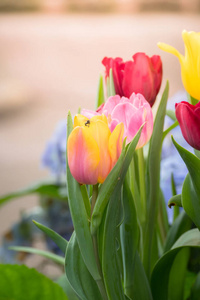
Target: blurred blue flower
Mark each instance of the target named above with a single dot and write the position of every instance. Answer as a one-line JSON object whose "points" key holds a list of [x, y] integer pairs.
{"points": [[54, 153]]}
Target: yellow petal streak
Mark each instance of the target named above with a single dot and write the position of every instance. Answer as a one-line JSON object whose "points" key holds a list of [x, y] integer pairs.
{"points": [[83, 155], [100, 131]]}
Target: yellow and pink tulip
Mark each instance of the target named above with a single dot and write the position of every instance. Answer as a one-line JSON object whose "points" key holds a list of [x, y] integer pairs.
{"points": [[92, 149]]}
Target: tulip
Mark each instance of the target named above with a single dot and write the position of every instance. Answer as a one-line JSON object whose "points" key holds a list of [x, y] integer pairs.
{"points": [[142, 75], [92, 149], [188, 116], [190, 63], [133, 112]]}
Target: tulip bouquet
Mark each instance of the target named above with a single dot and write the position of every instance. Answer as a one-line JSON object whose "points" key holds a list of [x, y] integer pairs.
{"points": [[123, 246]]}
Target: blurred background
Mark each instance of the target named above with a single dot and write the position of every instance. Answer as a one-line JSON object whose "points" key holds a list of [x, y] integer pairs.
{"points": [[50, 62]]}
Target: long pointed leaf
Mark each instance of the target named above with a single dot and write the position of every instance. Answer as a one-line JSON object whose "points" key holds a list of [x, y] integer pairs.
{"points": [[56, 258], [58, 239], [129, 234], [192, 163], [48, 188], [78, 274], [110, 266], [153, 179], [161, 271], [100, 95], [190, 200]]}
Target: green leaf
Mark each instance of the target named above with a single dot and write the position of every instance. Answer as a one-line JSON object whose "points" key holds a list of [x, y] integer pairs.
{"points": [[178, 275], [64, 283], [114, 177], [100, 95], [77, 273], [162, 221], [21, 283], [176, 209], [189, 238], [169, 129], [112, 273], [196, 288], [86, 200], [153, 179], [47, 188], [170, 113], [129, 234], [192, 163], [80, 217], [58, 239], [141, 287], [175, 201], [161, 271], [56, 258], [190, 200], [197, 153], [182, 224]]}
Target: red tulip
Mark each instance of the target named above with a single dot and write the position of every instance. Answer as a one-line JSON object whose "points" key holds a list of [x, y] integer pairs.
{"points": [[188, 116], [142, 75]]}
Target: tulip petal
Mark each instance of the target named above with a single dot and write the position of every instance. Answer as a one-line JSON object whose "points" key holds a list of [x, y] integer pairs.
{"points": [[115, 143], [110, 104], [100, 131], [171, 50], [80, 120], [83, 155]]}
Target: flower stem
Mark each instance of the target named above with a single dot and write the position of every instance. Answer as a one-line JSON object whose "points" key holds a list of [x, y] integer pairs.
{"points": [[142, 184], [100, 282]]}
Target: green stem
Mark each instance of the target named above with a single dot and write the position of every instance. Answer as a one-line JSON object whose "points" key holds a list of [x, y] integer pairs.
{"points": [[100, 282], [141, 164], [192, 100]]}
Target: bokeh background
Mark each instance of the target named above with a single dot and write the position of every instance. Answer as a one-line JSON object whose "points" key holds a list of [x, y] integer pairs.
{"points": [[50, 62]]}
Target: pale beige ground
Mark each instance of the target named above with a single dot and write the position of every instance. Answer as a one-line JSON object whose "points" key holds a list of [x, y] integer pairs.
{"points": [[49, 64]]}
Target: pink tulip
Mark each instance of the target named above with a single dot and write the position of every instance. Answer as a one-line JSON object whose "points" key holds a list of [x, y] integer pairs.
{"points": [[188, 116], [141, 75], [132, 112]]}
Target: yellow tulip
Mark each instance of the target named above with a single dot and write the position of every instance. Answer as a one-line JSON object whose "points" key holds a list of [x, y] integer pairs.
{"points": [[190, 63], [92, 149]]}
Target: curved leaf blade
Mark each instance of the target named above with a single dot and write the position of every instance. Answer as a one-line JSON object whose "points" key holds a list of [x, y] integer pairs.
{"points": [[190, 200], [27, 284], [58, 239], [56, 258], [192, 163], [161, 271], [47, 188], [77, 273], [129, 236]]}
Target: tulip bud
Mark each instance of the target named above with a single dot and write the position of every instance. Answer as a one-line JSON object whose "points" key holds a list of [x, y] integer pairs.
{"points": [[92, 149], [188, 116]]}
